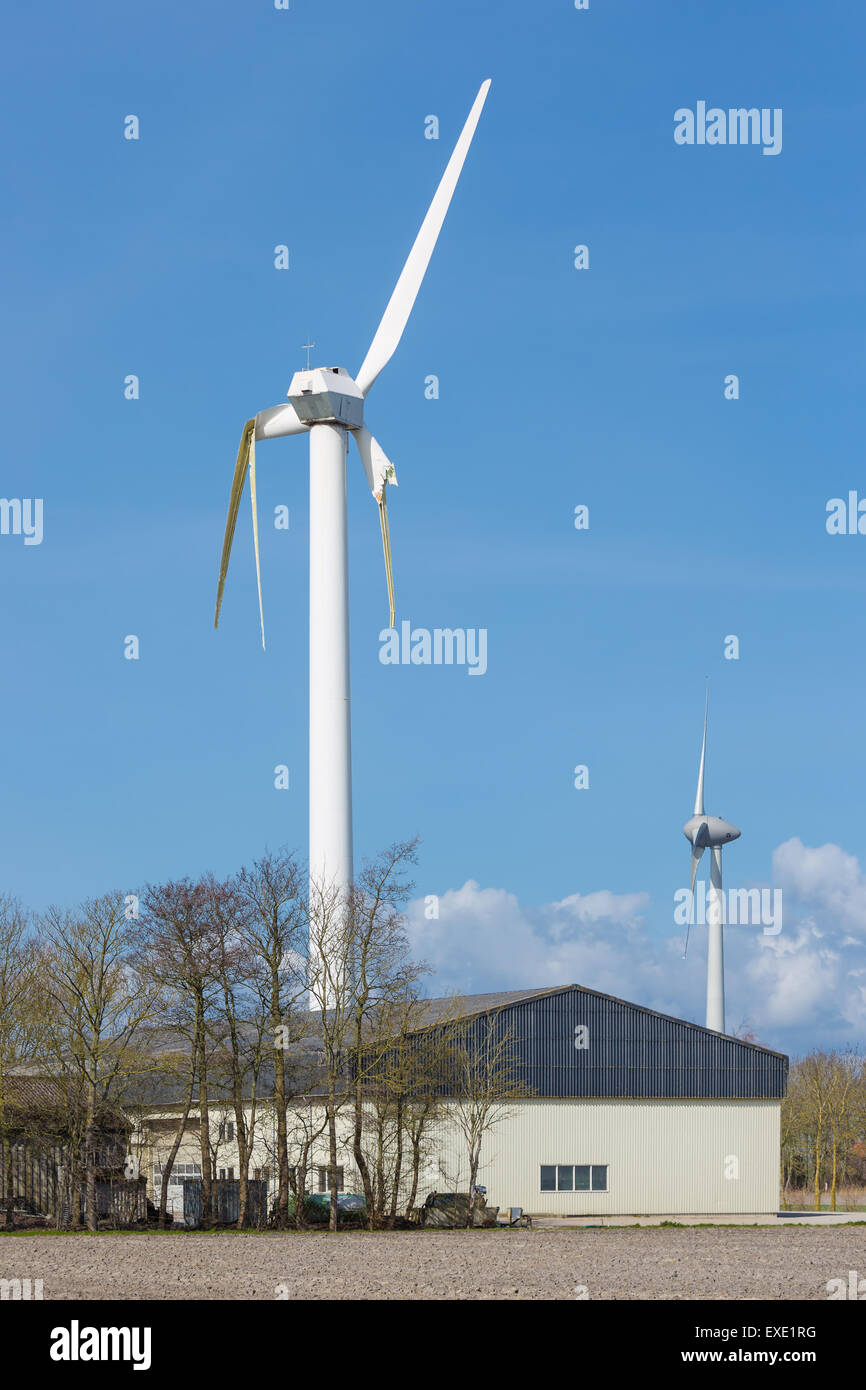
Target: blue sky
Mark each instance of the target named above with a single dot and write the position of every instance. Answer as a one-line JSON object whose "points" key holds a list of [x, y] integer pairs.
{"points": [[557, 387]]}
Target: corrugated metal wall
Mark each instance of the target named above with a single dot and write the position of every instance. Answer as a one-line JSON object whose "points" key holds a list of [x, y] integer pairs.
{"points": [[664, 1156], [34, 1177], [227, 1200], [629, 1052]]}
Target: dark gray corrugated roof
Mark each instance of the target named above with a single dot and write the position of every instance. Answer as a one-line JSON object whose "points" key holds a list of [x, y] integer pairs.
{"points": [[469, 1004], [436, 1010], [575, 1043], [635, 1052]]}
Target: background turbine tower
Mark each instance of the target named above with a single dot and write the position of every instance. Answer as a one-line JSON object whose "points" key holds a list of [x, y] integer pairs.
{"points": [[703, 832], [328, 404]]}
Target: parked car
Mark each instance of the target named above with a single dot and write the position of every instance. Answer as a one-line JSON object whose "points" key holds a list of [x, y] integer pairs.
{"points": [[351, 1208], [451, 1210]]}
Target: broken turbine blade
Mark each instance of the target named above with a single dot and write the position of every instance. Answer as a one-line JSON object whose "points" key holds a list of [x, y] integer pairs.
{"points": [[386, 546], [256, 531], [377, 466], [234, 504]]}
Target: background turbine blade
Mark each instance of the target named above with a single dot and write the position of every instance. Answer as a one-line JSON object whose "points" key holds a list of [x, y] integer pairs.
{"points": [[699, 797], [234, 504], [396, 315], [256, 530], [697, 851]]}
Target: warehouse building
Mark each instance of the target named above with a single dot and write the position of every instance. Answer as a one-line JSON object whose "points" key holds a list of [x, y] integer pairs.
{"points": [[628, 1111], [619, 1111]]}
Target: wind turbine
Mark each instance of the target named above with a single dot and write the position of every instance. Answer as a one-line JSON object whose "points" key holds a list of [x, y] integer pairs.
{"points": [[328, 404], [710, 832]]}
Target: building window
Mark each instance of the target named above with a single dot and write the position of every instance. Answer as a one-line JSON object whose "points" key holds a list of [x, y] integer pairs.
{"points": [[226, 1131], [325, 1180], [179, 1171], [574, 1177]]}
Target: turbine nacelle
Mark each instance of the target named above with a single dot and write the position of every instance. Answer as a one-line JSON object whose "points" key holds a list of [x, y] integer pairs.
{"points": [[709, 832], [327, 395]]}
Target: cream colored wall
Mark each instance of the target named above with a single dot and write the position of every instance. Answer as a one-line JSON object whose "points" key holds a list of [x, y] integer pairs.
{"points": [[662, 1156]]}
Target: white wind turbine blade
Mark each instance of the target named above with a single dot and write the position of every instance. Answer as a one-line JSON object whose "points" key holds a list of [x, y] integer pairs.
{"points": [[699, 797], [396, 315], [697, 852], [277, 421]]}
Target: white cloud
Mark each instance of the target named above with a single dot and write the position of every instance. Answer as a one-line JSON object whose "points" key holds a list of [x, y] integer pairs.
{"points": [[802, 988], [484, 939], [826, 877]]}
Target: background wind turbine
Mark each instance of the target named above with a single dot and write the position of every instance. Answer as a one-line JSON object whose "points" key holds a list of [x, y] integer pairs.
{"points": [[328, 404], [710, 832]]}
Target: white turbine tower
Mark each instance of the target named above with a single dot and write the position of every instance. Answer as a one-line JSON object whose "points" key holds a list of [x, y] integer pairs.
{"points": [[328, 404], [710, 832]]}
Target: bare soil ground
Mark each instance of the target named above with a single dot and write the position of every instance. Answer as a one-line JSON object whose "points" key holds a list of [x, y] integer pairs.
{"points": [[653, 1263]]}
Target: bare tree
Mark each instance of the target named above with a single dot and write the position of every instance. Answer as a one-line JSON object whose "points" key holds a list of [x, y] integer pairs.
{"points": [[484, 1082], [330, 982], [823, 1116], [308, 1121], [383, 1012], [791, 1134], [20, 1022], [365, 986], [816, 1072], [100, 1004], [403, 1075], [275, 930], [177, 1070], [183, 950], [426, 1103], [244, 1014], [845, 1112]]}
